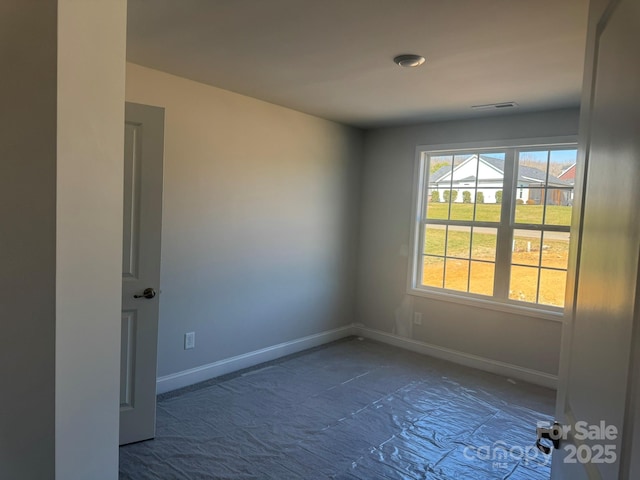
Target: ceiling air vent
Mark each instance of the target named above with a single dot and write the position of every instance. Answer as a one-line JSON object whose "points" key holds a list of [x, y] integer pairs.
{"points": [[495, 106]]}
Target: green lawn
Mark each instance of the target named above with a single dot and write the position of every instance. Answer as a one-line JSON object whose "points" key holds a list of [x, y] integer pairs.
{"points": [[460, 243], [532, 260], [490, 212], [531, 276], [481, 245]]}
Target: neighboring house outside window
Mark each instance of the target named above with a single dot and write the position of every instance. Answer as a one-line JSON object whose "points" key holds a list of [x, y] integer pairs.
{"points": [[493, 223], [490, 173], [569, 176]]}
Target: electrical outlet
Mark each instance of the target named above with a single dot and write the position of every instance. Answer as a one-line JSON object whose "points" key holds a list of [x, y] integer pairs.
{"points": [[417, 318], [189, 340]]}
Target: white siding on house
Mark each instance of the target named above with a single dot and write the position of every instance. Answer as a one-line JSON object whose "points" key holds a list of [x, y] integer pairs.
{"points": [[467, 177]]}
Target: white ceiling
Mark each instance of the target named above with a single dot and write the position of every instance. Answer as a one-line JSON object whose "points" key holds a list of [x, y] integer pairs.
{"points": [[333, 58]]}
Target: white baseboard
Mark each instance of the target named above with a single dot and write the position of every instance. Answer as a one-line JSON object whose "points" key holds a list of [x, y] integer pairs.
{"points": [[469, 360], [192, 376]]}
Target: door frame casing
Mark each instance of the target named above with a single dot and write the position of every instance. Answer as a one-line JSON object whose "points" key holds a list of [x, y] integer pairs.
{"points": [[600, 13]]}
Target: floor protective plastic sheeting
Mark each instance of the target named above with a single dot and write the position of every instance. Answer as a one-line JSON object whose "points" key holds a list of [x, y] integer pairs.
{"points": [[355, 409]]}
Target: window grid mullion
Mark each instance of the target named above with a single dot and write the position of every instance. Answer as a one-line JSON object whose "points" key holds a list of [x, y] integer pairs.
{"points": [[540, 262], [475, 193], [538, 227], [545, 198], [421, 215], [470, 250], [505, 230], [420, 259]]}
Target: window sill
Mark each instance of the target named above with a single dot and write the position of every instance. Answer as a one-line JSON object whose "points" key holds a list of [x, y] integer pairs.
{"points": [[555, 315]]}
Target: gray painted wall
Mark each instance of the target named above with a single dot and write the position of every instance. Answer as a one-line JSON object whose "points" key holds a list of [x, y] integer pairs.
{"points": [[91, 74], [240, 279], [27, 238], [384, 238], [61, 150], [259, 221]]}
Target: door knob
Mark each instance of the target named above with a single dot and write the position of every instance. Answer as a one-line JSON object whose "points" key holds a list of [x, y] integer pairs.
{"points": [[553, 434], [147, 293]]}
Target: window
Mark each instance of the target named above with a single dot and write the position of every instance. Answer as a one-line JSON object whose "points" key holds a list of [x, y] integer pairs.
{"points": [[493, 223]]}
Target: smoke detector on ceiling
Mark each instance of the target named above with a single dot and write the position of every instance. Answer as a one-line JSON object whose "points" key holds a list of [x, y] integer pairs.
{"points": [[409, 60], [495, 106]]}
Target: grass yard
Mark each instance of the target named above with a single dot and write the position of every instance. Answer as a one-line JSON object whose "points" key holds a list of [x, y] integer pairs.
{"points": [[490, 212], [475, 268]]}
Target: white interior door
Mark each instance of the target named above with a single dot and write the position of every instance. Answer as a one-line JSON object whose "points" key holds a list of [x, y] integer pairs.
{"points": [[596, 379], [143, 161]]}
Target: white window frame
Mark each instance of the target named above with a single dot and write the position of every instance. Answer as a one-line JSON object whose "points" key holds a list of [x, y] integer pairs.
{"points": [[420, 184]]}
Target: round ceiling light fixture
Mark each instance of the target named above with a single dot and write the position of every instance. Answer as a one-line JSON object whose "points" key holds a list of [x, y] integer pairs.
{"points": [[409, 60]]}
